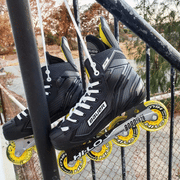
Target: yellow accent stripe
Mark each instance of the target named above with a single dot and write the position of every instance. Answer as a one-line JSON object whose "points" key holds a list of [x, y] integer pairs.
{"points": [[103, 37], [62, 49], [87, 73]]}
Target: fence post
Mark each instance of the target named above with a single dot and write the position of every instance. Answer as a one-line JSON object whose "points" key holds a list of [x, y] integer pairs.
{"points": [[81, 58], [148, 98], [171, 124], [123, 162], [20, 16], [1, 121], [3, 106]]}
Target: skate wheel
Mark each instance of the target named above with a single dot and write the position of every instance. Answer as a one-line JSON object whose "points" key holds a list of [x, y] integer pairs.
{"points": [[129, 137], [24, 158], [100, 153], [73, 167], [163, 115]]}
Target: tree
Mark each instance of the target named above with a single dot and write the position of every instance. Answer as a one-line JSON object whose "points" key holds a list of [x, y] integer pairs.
{"points": [[63, 25], [47, 7], [90, 19], [6, 37], [56, 22], [164, 17]]}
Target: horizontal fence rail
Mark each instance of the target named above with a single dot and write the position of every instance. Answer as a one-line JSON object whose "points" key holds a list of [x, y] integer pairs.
{"points": [[129, 17]]}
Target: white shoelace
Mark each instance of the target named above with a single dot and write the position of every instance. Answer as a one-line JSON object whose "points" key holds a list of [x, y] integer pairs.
{"points": [[43, 41], [82, 103], [92, 63], [47, 87], [44, 48], [24, 113]]}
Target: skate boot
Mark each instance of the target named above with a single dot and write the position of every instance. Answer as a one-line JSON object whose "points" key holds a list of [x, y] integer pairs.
{"points": [[62, 93], [115, 89]]}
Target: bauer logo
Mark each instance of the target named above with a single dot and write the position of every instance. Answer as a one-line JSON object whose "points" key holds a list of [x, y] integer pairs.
{"points": [[97, 113]]}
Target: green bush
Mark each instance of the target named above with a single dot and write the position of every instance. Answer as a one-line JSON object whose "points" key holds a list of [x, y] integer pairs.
{"points": [[51, 39]]}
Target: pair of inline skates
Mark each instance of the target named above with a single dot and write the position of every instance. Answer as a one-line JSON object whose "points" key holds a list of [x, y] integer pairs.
{"points": [[90, 120]]}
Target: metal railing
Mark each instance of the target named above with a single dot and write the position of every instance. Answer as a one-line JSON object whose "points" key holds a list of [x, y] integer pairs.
{"points": [[123, 12], [110, 168]]}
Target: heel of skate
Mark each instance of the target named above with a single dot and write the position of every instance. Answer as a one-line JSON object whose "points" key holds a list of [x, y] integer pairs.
{"points": [[19, 151], [157, 121]]}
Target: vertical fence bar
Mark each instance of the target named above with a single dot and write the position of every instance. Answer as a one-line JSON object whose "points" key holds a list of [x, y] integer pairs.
{"points": [[123, 162], [81, 58], [20, 16], [1, 121], [171, 124], [3, 106], [148, 98], [93, 170], [116, 28]]}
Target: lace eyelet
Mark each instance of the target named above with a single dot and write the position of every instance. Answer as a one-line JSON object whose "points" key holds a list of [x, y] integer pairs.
{"points": [[100, 81], [91, 108], [96, 100], [100, 91], [78, 121], [84, 115]]}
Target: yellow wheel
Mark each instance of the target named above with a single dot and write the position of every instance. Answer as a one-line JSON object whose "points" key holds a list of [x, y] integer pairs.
{"points": [[163, 115], [73, 167], [129, 137], [100, 153], [24, 158]]}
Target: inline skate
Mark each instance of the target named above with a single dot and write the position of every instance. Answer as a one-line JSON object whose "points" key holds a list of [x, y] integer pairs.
{"points": [[96, 119], [62, 92]]}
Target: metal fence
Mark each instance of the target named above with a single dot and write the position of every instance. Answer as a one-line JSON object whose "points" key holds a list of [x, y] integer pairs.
{"points": [[155, 155]]}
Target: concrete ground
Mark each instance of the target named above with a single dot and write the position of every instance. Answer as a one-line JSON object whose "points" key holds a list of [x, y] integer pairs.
{"points": [[6, 167]]}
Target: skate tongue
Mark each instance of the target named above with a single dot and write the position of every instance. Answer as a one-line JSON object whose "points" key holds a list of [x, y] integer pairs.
{"points": [[106, 35], [94, 45], [52, 59], [102, 60], [67, 53]]}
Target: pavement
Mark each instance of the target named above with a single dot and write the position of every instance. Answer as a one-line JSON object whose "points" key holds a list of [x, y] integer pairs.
{"points": [[6, 167], [15, 84]]}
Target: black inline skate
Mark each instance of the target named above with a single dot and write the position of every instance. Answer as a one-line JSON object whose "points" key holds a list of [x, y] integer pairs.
{"points": [[115, 89], [62, 92]]}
